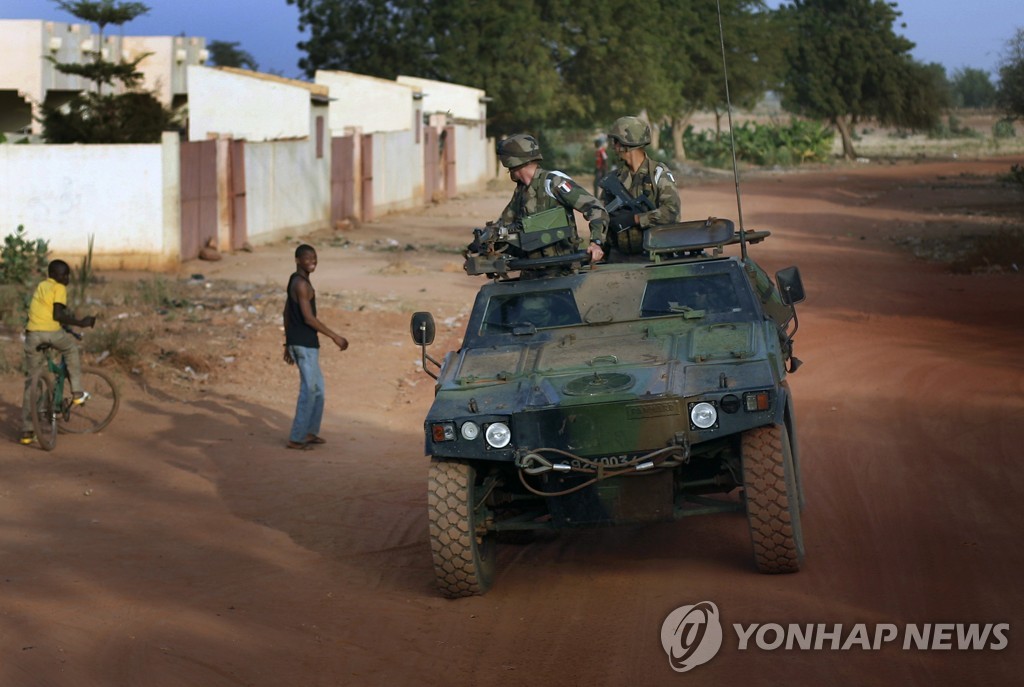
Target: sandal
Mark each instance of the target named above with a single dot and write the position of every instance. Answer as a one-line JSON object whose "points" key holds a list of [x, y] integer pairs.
{"points": [[298, 446], [314, 439]]}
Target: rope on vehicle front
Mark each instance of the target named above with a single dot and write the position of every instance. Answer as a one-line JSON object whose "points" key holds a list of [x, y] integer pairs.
{"points": [[535, 463]]}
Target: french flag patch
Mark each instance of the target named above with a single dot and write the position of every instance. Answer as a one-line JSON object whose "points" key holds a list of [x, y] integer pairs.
{"points": [[565, 187]]}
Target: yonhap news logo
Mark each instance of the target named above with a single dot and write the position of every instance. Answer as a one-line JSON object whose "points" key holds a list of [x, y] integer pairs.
{"points": [[692, 636]]}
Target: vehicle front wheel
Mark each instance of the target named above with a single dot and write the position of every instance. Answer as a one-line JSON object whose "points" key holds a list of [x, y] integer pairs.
{"points": [[462, 549], [773, 503]]}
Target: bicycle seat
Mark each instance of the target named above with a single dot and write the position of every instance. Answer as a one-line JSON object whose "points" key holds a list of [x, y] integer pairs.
{"points": [[44, 347]]}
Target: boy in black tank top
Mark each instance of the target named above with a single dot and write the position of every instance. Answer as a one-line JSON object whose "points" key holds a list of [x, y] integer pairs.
{"points": [[302, 348]]}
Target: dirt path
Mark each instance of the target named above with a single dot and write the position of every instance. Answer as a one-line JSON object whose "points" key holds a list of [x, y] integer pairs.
{"points": [[185, 546]]}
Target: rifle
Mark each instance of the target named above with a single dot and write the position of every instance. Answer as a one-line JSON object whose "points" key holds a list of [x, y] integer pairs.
{"points": [[623, 207]]}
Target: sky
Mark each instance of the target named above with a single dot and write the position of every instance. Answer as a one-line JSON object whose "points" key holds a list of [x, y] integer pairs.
{"points": [[954, 33]]}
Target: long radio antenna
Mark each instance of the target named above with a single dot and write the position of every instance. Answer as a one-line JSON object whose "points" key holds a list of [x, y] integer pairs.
{"points": [[732, 138]]}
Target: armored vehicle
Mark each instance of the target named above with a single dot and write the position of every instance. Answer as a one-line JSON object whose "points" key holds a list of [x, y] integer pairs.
{"points": [[617, 393]]}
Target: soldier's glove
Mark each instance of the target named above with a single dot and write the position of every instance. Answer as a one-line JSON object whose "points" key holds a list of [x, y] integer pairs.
{"points": [[621, 220]]}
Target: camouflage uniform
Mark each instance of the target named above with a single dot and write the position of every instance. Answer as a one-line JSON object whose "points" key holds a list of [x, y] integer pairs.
{"points": [[553, 189], [652, 179]]}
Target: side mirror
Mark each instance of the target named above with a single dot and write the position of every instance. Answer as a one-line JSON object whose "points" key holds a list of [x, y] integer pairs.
{"points": [[791, 288], [423, 328]]}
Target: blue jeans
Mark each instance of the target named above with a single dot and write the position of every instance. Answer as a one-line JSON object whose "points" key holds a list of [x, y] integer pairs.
{"points": [[309, 409]]}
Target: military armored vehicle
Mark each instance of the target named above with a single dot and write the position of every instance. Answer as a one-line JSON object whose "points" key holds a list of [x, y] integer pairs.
{"points": [[617, 393]]}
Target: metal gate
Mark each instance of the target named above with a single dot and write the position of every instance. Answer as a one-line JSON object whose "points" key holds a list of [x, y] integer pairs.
{"points": [[198, 196], [343, 178]]}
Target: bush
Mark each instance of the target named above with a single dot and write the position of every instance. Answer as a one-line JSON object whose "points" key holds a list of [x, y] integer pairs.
{"points": [[952, 128], [22, 261], [773, 144], [1003, 129], [22, 265]]}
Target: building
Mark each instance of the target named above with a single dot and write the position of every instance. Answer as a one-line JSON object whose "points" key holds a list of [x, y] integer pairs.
{"points": [[29, 78]]}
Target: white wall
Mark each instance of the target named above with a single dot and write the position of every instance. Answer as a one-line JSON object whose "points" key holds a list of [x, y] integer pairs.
{"points": [[287, 189], [472, 158], [460, 102], [397, 172], [368, 103], [126, 196], [227, 104]]}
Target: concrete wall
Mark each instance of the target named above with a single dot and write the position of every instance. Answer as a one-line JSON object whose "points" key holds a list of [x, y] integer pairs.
{"points": [[466, 109], [460, 102], [236, 104], [473, 155], [126, 196], [287, 187], [368, 104], [397, 172]]}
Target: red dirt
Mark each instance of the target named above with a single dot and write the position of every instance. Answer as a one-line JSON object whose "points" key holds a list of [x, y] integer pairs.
{"points": [[186, 546]]}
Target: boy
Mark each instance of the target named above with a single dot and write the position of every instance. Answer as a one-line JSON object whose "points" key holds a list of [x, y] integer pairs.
{"points": [[47, 316], [302, 348]]}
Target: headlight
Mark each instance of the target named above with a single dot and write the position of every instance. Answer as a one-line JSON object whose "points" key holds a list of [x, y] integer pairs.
{"points": [[703, 415], [470, 431], [498, 435]]}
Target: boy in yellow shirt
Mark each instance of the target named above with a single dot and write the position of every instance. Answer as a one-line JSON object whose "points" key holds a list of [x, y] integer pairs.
{"points": [[48, 314]]}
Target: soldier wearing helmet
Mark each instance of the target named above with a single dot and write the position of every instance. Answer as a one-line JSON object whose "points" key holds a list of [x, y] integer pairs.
{"points": [[641, 176], [539, 190]]}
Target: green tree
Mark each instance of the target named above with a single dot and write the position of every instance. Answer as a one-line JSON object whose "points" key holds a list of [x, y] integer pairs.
{"points": [[1011, 77], [752, 53], [374, 37], [972, 88], [549, 62], [504, 48], [102, 115], [847, 64], [229, 54]]}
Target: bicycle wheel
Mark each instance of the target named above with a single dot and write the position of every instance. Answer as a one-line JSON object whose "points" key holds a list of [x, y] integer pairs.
{"points": [[94, 414], [44, 415]]}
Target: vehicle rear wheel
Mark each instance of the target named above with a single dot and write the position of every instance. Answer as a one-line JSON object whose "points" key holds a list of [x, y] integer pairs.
{"points": [[772, 500], [463, 550], [97, 412], [44, 415]]}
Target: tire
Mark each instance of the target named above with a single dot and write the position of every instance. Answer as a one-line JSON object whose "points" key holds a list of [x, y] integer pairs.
{"points": [[773, 504], [94, 414], [463, 552], [44, 416]]}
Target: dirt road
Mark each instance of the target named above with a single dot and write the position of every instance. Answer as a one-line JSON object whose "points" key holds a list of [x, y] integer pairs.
{"points": [[186, 546]]}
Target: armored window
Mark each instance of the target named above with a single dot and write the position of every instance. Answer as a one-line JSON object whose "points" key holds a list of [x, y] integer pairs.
{"points": [[707, 295], [543, 309]]}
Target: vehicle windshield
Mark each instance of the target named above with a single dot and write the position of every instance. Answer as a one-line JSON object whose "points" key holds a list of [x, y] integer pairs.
{"points": [[520, 312], [694, 297]]}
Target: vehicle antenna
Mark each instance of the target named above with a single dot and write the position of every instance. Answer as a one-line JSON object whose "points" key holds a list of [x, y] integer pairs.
{"points": [[732, 138]]}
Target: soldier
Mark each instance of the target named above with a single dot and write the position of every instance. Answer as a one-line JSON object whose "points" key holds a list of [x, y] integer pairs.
{"points": [[645, 180], [538, 191]]}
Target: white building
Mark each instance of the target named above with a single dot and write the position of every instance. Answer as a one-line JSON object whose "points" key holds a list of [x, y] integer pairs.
{"points": [[28, 78]]}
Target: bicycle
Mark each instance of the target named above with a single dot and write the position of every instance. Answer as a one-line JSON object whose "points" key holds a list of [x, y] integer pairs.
{"points": [[51, 398]]}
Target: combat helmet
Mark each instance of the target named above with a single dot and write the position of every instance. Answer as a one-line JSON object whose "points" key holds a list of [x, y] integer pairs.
{"points": [[518, 149], [631, 132]]}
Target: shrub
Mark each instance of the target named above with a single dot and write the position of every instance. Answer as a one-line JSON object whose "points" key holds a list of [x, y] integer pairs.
{"points": [[22, 264], [22, 261], [773, 144], [1003, 129]]}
